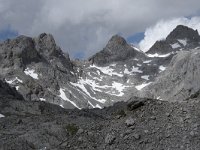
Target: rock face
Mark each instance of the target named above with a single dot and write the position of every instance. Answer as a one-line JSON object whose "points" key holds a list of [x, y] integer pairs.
{"points": [[180, 80], [184, 32], [181, 38], [116, 50], [35, 67]]}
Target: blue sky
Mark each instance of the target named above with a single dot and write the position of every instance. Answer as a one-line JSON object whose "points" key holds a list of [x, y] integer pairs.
{"points": [[7, 33], [135, 38]]}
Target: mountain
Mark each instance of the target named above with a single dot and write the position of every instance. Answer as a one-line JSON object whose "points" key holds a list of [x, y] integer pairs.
{"points": [[38, 81], [180, 80], [41, 71], [116, 50], [181, 38]]}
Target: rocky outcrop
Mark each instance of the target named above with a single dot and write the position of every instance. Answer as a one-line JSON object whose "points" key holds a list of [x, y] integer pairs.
{"points": [[117, 49], [36, 67], [181, 38], [184, 32], [181, 78]]}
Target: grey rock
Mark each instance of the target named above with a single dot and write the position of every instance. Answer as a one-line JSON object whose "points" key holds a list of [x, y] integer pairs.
{"points": [[117, 49], [109, 139], [80, 131], [129, 122], [136, 136]]}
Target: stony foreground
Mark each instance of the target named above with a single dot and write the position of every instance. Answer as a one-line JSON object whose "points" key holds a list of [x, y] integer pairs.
{"points": [[138, 124]]}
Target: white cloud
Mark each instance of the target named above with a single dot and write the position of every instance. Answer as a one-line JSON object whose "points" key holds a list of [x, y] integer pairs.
{"points": [[162, 29], [86, 25]]}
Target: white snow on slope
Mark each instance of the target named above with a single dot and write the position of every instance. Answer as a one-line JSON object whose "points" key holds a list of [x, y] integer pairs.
{"points": [[134, 69], [115, 88], [81, 85], [64, 97], [14, 80], [175, 45], [119, 87], [158, 55], [183, 41], [162, 68], [137, 49], [147, 61], [141, 86], [1, 116], [146, 77], [61, 105], [17, 88], [98, 106], [107, 70], [31, 73], [42, 99]]}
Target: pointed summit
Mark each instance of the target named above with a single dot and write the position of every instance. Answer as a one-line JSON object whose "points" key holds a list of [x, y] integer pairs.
{"points": [[181, 38], [183, 32], [116, 40], [116, 49]]}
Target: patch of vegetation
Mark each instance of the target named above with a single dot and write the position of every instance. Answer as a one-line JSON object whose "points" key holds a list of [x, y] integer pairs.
{"points": [[72, 129]]}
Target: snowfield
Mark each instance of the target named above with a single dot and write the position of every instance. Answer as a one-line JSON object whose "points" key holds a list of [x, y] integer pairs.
{"points": [[31, 73]]}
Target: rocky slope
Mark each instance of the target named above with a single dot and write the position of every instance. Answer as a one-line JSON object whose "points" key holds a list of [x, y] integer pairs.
{"points": [[180, 80], [137, 124], [40, 71]]}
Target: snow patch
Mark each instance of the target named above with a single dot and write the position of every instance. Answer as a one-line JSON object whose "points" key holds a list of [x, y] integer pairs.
{"points": [[1, 116], [64, 97], [137, 49], [134, 69], [146, 77], [42, 99], [107, 70], [61, 105], [119, 87], [14, 81], [81, 84], [98, 106], [31, 73], [147, 61], [72, 72], [159, 98], [141, 86], [17, 88], [175, 45], [183, 41], [158, 55], [162, 68]]}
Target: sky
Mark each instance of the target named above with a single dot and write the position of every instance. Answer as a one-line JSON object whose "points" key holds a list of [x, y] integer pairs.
{"points": [[83, 27]]}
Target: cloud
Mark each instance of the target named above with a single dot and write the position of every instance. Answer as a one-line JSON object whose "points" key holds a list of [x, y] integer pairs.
{"points": [[162, 29], [84, 26]]}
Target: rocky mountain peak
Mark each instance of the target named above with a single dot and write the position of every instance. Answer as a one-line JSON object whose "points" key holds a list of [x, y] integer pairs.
{"points": [[117, 49], [183, 32], [116, 40], [18, 52], [46, 45], [182, 37]]}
